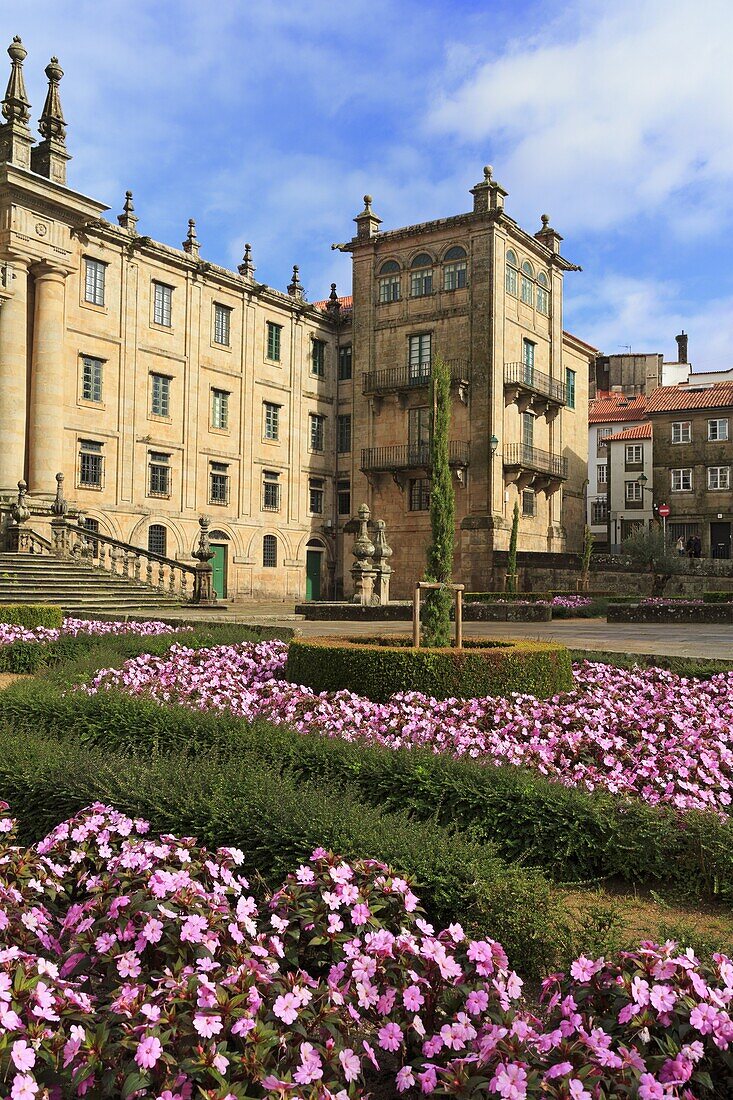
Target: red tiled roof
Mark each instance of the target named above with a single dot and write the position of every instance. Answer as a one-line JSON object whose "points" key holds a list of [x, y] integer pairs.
{"points": [[679, 398], [639, 431], [616, 408], [347, 302]]}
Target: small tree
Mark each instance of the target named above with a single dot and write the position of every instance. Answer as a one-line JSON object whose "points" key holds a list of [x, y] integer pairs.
{"points": [[436, 616], [649, 550], [585, 560], [511, 575]]}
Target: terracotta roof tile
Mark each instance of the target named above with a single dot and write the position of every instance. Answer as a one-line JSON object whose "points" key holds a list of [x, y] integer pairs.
{"points": [[639, 431], [346, 302], [616, 408], [679, 398]]}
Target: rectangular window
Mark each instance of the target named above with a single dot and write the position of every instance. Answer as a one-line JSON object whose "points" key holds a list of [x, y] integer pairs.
{"points": [[91, 464], [272, 420], [527, 291], [315, 496], [159, 474], [420, 351], [222, 325], [418, 434], [599, 512], [318, 358], [717, 429], [528, 348], [162, 298], [570, 387], [602, 435], [218, 483], [421, 282], [419, 499], [343, 497], [543, 300], [220, 409], [528, 429], [454, 275], [345, 363], [91, 378], [528, 502], [316, 432], [160, 395], [94, 276], [719, 476], [634, 454], [343, 434], [271, 491], [602, 473], [682, 481], [682, 431], [511, 280], [389, 289], [634, 492], [274, 332]]}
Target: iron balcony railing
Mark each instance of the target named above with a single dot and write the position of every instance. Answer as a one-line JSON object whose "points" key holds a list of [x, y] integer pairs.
{"points": [[532, 458], [411, 376], [529, 378], [410, 456]]}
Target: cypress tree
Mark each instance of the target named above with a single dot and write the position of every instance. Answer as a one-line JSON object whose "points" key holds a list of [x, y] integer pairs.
{"points": [[436, 616], [511, 575]]}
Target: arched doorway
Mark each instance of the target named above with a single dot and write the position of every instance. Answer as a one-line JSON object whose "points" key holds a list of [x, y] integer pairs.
{"points": [[314, 558], [219, 541]]}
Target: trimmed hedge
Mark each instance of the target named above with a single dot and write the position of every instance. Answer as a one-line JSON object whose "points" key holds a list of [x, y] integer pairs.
{"points": [[380, 667], [700, 667], [277, 822], [31, 615], [712, 613]]}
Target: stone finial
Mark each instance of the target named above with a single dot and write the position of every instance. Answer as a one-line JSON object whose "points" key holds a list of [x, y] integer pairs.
{"points": [[50, 157], [128, 218], [367, 223], [191, 243], [547, 236], [247, 267], [203, 551], [15, 135], [59, 505], [19, 510], [488, 195], [333, 306], [295, 288]]}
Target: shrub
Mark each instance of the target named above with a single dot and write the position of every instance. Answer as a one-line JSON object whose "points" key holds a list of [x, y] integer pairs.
{"points": [[679, 611], [436, 611], [378, 668], [31, 615]]}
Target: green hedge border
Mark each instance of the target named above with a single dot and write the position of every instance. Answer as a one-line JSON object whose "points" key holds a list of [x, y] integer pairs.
{"points": [[31, 615], [380, 667]]}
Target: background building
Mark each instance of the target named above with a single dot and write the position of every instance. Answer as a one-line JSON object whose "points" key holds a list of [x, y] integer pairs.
{"points": [[605, 417], [630, 473]]}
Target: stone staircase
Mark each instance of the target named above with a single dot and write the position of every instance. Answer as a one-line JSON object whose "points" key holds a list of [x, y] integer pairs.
{"points": [[77, 587]]}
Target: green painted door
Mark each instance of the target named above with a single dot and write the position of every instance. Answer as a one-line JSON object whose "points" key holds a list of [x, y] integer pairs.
{"points": [[219, 565], [313, 574]]}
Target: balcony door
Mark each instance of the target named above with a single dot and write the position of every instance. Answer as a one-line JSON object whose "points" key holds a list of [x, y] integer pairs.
{"points": [[527, 434], [418, 435], [420, 352], [528, 362]]}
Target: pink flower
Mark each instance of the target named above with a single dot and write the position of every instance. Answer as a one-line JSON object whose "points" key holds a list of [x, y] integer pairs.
{"points": [[405, 1079], [148, 1052], [24, 1056], [663, 998], [360, 914], [390, 1037], [24, 1087], [510, 1081], [207, 1026], [412, 998], [650, 1088], [286, 1007], [350, 1064]]}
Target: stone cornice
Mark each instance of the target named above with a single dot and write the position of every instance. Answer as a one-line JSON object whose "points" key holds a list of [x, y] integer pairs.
{"points": [[42, 194]]}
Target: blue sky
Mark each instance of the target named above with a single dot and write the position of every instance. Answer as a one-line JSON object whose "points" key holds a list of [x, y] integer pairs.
{"points": [[267, 122]]}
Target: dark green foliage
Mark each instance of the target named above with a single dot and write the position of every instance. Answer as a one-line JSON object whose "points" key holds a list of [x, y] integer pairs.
{"points": [[701, 667], [649, 551], [511, 573], [277, 821], [648, 613], [378, 668], [436, 629], [717, 597], [31, 615], [585, 558]]}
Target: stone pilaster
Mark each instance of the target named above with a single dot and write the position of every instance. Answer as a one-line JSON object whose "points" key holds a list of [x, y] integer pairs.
{"points": [[46, 422], [13, 373]]}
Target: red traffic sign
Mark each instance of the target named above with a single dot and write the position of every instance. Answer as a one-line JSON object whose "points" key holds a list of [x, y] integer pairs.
{"points": [[663, 510]]}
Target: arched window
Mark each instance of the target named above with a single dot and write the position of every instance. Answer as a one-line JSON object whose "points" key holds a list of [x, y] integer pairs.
{"points": [[527, 283], [390, 287], [454, 270], [543, 294], [511, 273], [157, 539], [269, 551], [421, 275]]}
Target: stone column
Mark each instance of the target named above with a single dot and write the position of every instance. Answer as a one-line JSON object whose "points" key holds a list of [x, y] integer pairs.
{"points": [[13, 372], [46, 423]]}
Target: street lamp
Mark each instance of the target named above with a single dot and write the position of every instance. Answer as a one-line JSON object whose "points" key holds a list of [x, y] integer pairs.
{"points": [[493, 443], [642, 480]]}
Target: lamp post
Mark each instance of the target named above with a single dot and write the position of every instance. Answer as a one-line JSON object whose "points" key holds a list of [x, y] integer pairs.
{"points": [[642, 480]]}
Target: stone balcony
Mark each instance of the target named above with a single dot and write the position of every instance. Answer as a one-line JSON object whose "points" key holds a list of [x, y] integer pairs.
{"points": [[401, 380], [531, 467], [533, 390]]}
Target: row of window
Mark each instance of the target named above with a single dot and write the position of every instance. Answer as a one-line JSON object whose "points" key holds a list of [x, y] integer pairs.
{"points": [[158, 543], [718, 477], [717, 431], [521, 282], [421, 274]]}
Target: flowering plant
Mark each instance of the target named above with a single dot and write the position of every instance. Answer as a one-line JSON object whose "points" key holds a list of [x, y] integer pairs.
{"points": [[9, 633], [141, 966]]}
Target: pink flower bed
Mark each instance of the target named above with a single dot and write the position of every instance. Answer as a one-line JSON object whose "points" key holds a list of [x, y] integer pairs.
{"points": [[94, 628], [134, 965], [643, 733]]}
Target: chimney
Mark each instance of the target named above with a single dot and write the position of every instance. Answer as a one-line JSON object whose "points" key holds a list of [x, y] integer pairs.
{"points": [[681, 347]]}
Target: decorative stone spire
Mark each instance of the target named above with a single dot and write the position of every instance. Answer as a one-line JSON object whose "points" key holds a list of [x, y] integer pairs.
{"points": [[247, 267], [488, 195], [59, 505], [50, 157], [333, 306], [295, 288], [191, 243], [128, 218], [367, 223], [547, 235], [15, 135]]}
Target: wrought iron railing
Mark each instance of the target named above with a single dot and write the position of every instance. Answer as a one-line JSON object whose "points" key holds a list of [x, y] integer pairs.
{"points": [[411, 456], [532, 458], [529, 378], [411, 376]]}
